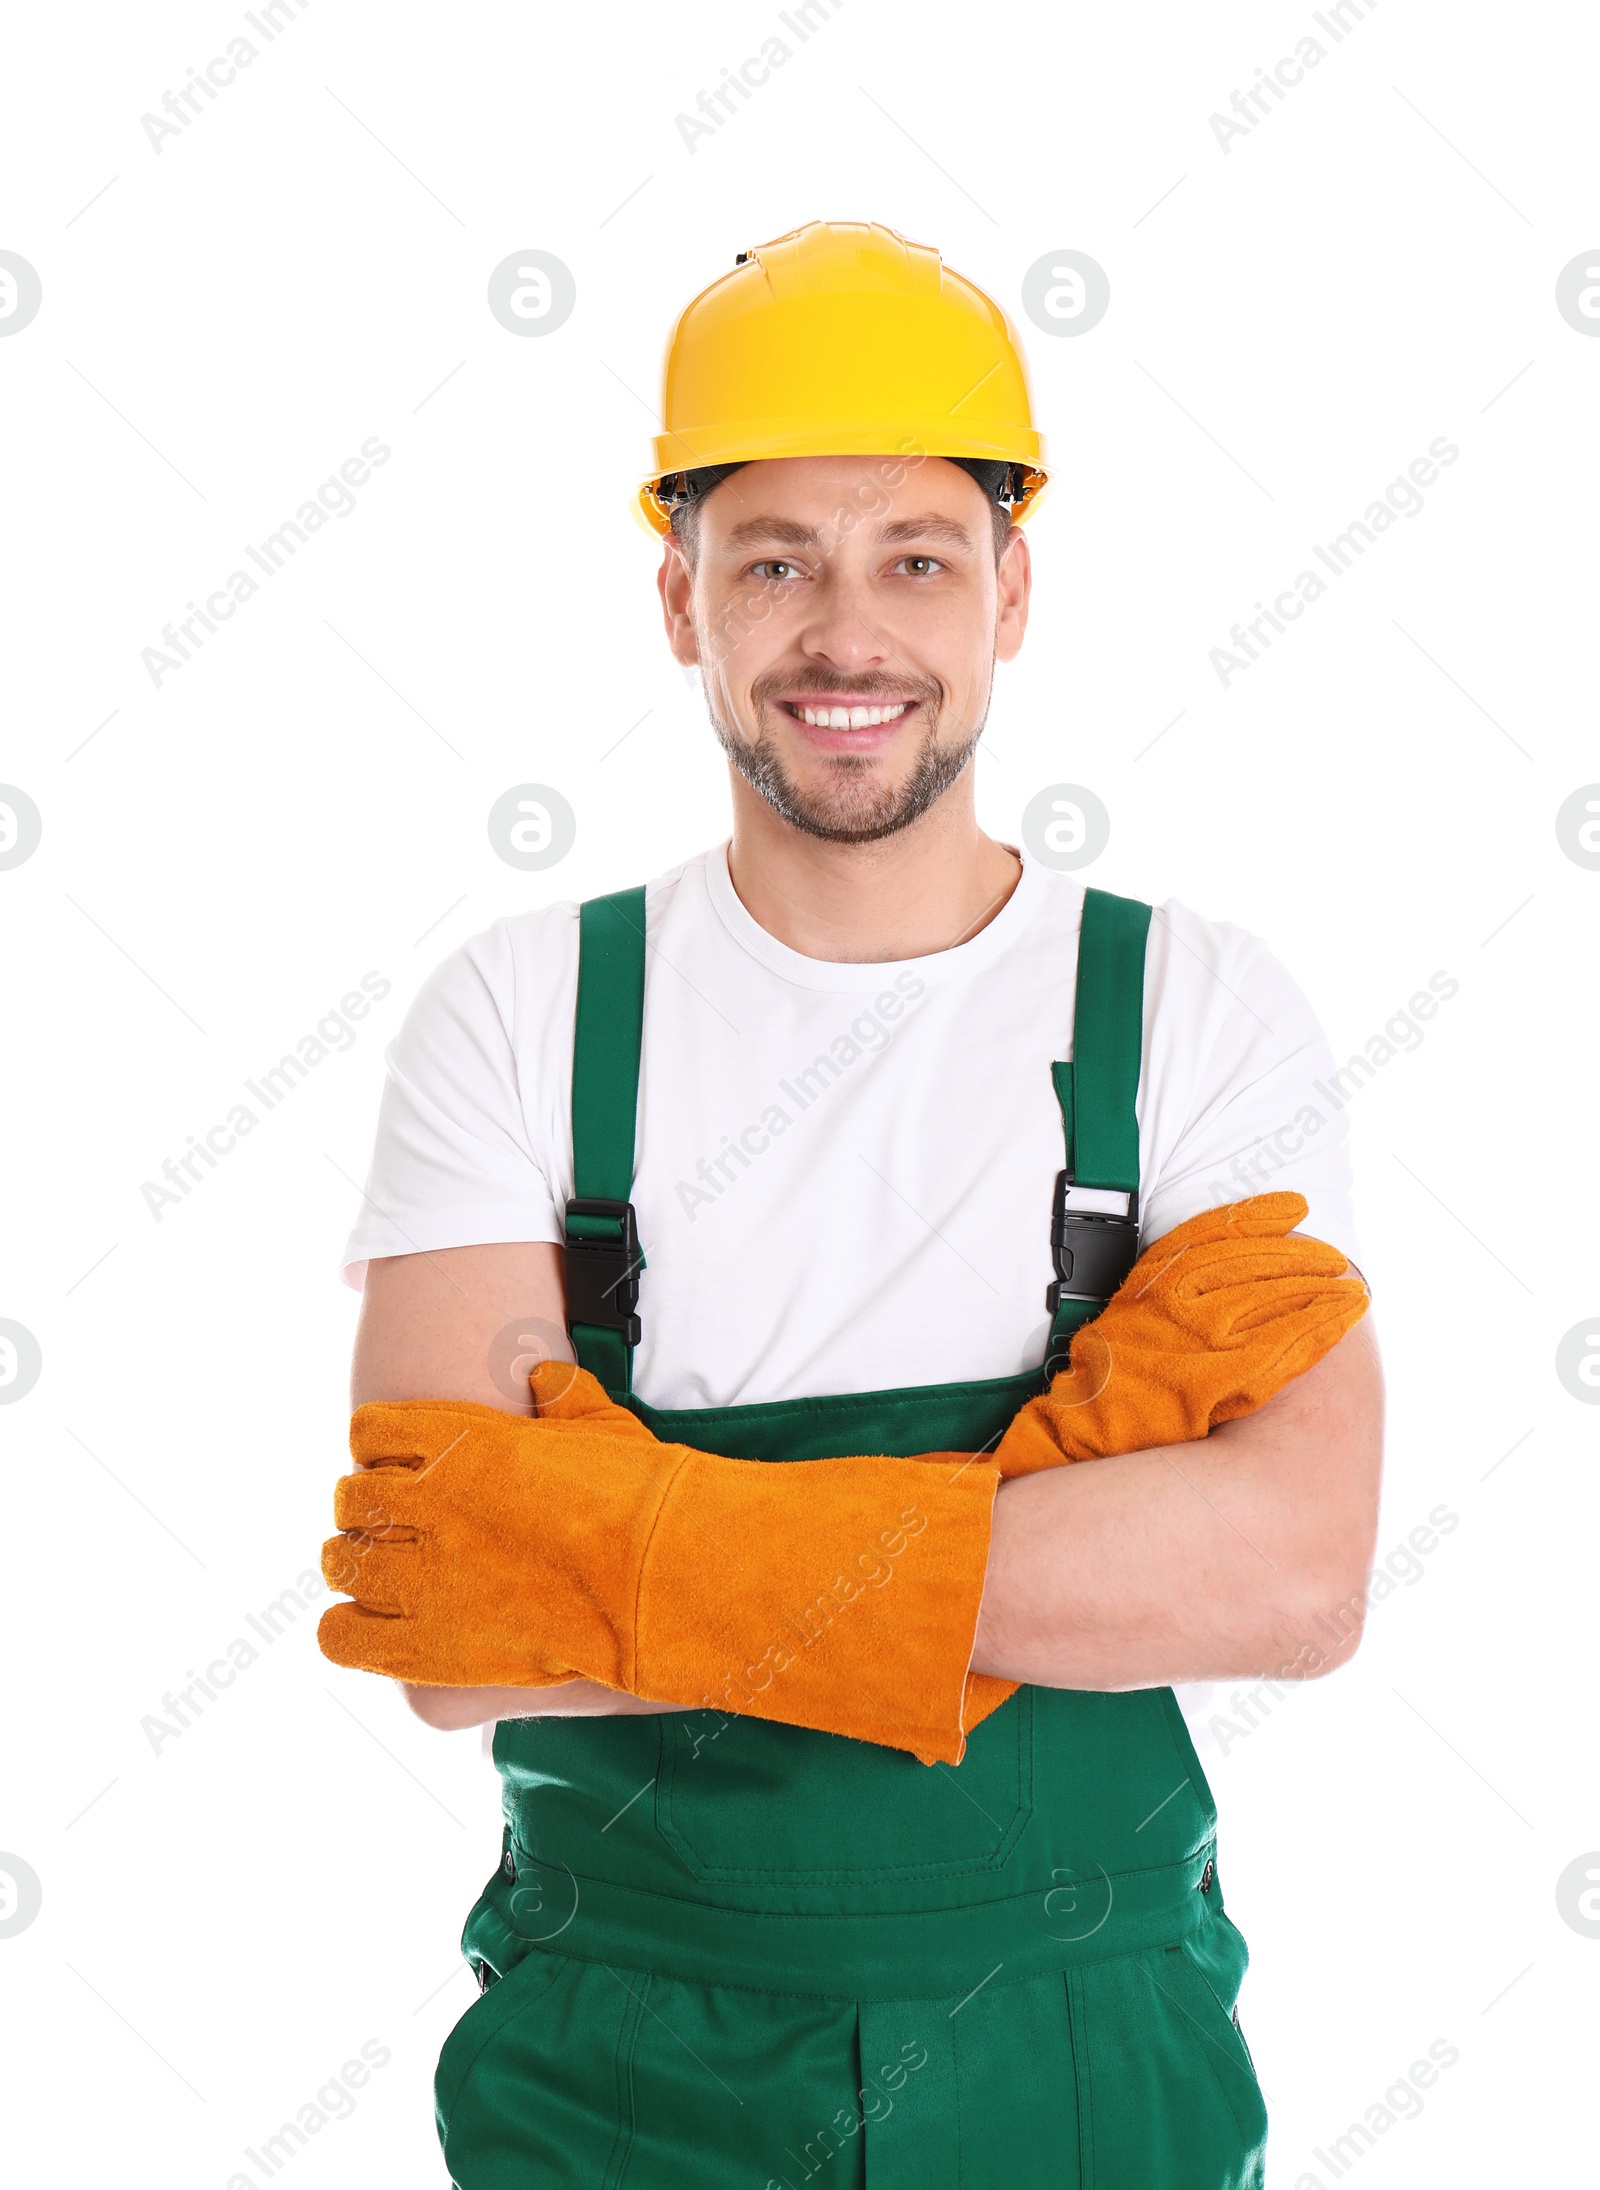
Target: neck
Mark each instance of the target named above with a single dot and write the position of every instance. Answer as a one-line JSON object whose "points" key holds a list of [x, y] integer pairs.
{"points": [[925, 889]]}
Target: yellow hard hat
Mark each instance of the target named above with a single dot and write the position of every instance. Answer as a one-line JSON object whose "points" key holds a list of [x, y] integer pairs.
{"points": [[842, 339]]}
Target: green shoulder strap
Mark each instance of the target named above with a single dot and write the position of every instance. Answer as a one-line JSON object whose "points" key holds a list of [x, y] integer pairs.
{"points": [[603, 1260], [1097, 1094]]}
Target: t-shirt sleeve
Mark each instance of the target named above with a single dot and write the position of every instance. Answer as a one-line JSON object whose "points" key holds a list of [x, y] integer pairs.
{"points": [[457, 1160], [1245, 1097]]}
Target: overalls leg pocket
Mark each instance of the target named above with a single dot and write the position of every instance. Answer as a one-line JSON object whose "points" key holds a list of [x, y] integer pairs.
{"points": [[534, 2082], [1170, 2090]]}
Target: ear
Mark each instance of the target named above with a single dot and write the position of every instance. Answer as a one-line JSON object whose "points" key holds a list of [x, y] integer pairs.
{"points": [[675, 584], [1013, 590]]}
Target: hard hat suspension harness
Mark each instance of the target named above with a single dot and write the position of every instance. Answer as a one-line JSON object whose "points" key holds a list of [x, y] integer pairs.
{"points": [[1001, 482]]}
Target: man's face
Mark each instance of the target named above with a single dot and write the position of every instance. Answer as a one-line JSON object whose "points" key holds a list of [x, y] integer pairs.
{"points": [[846, 614]]}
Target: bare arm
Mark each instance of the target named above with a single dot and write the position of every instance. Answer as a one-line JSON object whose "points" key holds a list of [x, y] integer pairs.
{"points": [[469, 1323], [1244, 1554]]}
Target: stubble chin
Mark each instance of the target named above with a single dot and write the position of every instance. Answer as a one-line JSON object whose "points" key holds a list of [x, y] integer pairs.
{"points": [[846, 801]]}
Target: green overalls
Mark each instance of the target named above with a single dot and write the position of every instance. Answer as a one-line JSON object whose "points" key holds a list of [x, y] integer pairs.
{"points": [[725, 1954]]}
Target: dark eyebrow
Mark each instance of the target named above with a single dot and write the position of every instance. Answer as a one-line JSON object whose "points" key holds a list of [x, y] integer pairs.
{"points": [[927, 528], [785, 532]]}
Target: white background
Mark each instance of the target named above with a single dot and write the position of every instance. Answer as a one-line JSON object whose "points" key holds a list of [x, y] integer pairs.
{"points": [[1374, 265]]}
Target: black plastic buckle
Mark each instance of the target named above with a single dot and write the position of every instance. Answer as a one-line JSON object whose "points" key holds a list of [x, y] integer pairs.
{"points": [[1093, 1251], [603, 1274]]}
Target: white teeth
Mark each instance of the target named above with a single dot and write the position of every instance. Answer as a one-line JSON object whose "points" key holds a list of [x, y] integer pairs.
{"points": [[851, 718]]}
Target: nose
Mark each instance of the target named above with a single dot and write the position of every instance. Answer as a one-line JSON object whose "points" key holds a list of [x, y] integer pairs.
{"points": [[843, 630]]}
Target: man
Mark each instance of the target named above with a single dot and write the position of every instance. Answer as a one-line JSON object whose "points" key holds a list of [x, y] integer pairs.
{"points": [[851, 1820]]}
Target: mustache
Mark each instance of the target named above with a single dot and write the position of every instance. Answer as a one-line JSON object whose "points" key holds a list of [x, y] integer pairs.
{"points": [[868, 692]]}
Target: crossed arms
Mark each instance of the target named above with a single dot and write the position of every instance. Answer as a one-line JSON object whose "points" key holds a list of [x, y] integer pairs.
{"points": [[1241, 1555]]}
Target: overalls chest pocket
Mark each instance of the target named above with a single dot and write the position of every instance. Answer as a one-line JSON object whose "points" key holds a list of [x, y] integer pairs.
{"points": [[742, 1801]]}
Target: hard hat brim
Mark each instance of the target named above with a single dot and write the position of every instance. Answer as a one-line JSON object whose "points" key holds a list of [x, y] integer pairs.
{"points": [[654, 515]]}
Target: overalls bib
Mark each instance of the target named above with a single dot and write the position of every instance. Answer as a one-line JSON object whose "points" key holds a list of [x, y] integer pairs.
{"points": [[725, 1954]]}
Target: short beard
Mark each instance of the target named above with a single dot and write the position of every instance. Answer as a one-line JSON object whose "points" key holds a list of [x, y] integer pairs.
{"points": [[849, 812]]}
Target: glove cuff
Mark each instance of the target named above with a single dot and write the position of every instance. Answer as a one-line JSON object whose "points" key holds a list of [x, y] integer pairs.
{"points": [[863, 1626]]}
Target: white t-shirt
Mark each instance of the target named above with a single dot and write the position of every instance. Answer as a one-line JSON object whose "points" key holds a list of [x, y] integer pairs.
{"points": [[843, 1172]]}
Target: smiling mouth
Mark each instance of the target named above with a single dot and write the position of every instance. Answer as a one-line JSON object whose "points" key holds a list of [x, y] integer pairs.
{"points": [[826, 715]]}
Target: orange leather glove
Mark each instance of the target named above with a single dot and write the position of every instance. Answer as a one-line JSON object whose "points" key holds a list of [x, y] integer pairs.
{"points": [[485, 1548], [1209, 1323], [1212, 1320]]}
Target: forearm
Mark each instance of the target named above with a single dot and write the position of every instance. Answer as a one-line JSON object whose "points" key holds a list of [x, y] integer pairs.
{"points": [[1245, 1553], [1207, 1558], [452, 1708], [425, 1333]]}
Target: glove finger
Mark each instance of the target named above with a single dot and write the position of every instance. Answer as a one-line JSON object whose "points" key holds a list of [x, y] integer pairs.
{"points": [[383, 1578], [378, 1498], [563, 1392], [1177, 1255], [1218, 1313], [1087, 1373], [1261, 1214], [1307, 1340], [545, 1676], [370, 1642], [1032, 1444], [1256, 1218], [1287, 1299], [375, 1642], [1203, 1271], [408, 1433]]}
